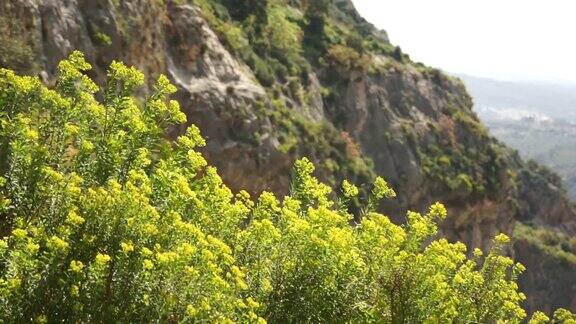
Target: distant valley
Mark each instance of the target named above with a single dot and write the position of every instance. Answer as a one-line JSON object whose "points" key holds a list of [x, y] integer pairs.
{"points": [[537, 119]]}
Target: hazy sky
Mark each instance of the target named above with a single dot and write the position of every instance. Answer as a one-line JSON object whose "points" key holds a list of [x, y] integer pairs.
{"points": [[506, 39]]}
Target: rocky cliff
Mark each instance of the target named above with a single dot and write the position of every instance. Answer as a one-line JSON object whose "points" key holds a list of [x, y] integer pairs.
{"points": [[269, 81]]}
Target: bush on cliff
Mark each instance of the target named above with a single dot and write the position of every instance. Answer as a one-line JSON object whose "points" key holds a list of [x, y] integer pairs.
{"points": [[104, 219]]}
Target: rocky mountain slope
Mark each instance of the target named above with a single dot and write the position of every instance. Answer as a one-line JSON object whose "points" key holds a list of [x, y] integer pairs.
{"points": [[269, 81]]}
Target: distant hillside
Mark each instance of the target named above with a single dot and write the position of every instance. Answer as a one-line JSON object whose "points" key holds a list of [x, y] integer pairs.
{"points": [[554, 100], [537, 119]]}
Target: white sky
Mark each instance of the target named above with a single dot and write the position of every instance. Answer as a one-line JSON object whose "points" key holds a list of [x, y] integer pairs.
{"points": [[505, 39]]}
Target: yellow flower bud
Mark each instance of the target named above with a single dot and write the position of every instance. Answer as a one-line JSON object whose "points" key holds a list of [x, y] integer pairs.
{"points": [[147, 264], [19, 233], [127, 247], [74, 290], [191, 310], [102, 259], [76, 266]]}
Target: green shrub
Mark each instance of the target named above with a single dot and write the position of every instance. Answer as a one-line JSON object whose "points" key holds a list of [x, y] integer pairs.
{"points": [[355, 41], [103, 39], [283, 35], [96, 207], [465, 183], [552, 242], [444, 161], [347, 58], [344, 56], [470, 121], [106, 220], [263, 72]]}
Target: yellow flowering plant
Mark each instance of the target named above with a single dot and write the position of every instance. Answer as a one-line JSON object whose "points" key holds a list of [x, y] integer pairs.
{"points": [[107, 220], [104, 219]]}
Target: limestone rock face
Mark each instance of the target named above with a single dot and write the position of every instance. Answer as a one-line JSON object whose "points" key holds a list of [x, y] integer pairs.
{"points": [[413, 124], [218, 92]]}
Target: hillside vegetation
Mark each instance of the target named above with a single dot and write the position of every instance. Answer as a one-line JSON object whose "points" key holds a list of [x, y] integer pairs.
{"points": [[106, 220], [269, 82]]}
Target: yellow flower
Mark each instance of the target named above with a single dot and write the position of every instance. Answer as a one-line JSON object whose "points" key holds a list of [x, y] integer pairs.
{"points": [[41, 319], [191, 310], [74, 219], [146, 251], [147, 264], [150, 229], [127, 247], [102, 259], [217, 280], [267, 285], [187, 249], [142, 158], [53, 174], [71, 129], [477, 252], [32, 247], [205, 305], [438, 210], [19, 233], [74, 290], [146, 299], [31, 134], [252, 303], [519, 268], [76, 266], [207, 255], [502, 239], [57, 243], [14, 283], [166, 257], [349, 190], [382, 190], [237, 272], [458, 279], [241, 284], [87, 146]]}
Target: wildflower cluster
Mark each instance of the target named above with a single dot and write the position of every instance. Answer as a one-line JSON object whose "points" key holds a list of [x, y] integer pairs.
{"points": [[103, 219]]}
